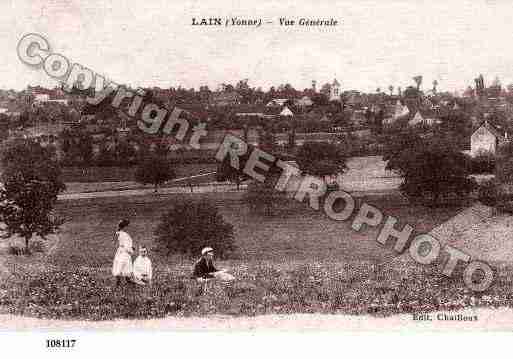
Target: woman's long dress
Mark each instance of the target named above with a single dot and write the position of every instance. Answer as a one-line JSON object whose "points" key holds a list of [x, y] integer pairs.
{"points": [[122, 265]]}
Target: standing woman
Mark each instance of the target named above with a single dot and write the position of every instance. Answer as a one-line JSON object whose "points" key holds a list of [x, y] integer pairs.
{"points": [[122, 266]]}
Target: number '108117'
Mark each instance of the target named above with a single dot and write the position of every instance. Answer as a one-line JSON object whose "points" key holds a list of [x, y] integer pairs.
{"points": [[60, 343]]}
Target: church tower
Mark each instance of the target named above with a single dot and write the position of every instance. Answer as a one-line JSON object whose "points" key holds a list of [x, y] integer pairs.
{"points": [[335, 91]]}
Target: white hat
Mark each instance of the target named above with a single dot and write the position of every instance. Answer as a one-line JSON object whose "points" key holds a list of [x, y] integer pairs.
{"points": [[206, 250]]}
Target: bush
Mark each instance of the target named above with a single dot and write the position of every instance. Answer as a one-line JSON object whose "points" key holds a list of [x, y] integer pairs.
{"points": [[189, 226], [15, 250], [483, 162], [504, 205], [37, 246], [488, 192], [321, 159], [432, 171]]}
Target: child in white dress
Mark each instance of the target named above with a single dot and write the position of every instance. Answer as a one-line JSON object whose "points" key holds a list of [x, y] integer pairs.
{"points": [[122, 265]]}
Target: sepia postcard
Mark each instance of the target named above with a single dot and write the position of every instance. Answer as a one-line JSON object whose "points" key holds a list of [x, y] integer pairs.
{"points": [[252, 166]]}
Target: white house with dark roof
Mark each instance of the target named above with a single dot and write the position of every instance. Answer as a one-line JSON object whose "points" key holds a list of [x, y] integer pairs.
{"points": [[286, 112], [486, 138]]}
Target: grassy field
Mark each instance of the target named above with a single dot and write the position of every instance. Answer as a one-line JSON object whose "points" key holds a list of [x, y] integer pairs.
{"points": [[296, 262], [295, 234]]}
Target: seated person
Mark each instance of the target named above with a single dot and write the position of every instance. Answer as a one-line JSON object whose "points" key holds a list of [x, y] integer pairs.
{"points": [[142, 268], [204, 268]]}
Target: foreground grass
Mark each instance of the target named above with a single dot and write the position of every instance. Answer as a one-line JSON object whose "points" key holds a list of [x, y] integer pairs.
{"points": [[350, 288], [296, 262]]}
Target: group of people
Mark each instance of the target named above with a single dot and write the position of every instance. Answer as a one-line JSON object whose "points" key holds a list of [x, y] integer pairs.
{"points": [[140, 271]]}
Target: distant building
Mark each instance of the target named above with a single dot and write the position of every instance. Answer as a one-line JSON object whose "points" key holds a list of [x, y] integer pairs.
{"points": [[486, 138], [47, 98], [250, 111], [286, 112], [41, 97], [416, 120], [225, 98], [304, 101], [277, 102], [335, 91], [398, 111], [358, 118]]}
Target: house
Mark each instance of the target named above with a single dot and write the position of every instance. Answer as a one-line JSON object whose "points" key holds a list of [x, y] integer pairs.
{"points": [[225, 98], [304, 101], [41, 97], [398, 111], [11, 108], [358, 118], [286, 112], [486, 138], [250, 111], [277, 102], [416, 120], [44, 95]]}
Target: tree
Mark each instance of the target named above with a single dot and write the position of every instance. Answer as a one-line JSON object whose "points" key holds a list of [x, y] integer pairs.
{"points": [[432, 171], [418, 81], [435, 84], [411, 93], [267, 138], [31, 182], [225, 171], [321, 159], [125, 153], [395, 143], [85, 147], [155, 170], [291, 143], [321, 99], [77, 146], [188, 227], [504, 164]]}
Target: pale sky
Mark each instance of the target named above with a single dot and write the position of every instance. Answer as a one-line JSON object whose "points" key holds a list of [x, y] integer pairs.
{"points": [[152, 42]]}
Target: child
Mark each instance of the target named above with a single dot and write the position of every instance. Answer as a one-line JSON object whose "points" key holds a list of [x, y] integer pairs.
{"points": [[122, 265], [142, 268]]}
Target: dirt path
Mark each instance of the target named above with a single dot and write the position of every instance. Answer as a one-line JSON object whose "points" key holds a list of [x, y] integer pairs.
{"points": [[487, 319]]}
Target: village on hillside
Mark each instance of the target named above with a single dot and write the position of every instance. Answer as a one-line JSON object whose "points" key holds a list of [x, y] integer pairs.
{"points": [[477, 119]]}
